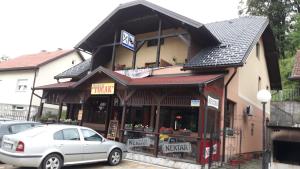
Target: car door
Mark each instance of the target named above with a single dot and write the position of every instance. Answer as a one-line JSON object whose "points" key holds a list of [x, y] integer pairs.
{"points": [[93, 147], [69, 143]]}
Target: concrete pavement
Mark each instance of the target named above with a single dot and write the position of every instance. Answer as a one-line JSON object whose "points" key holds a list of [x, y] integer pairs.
{"points": [[125, 164]]}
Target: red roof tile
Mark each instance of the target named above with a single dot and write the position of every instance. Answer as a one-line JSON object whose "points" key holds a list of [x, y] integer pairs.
{"points": [[32, 60], [296, 70]]}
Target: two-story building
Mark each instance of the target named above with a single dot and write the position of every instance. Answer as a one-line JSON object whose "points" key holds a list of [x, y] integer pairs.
{"points": [[20, 74], [167, 85]]}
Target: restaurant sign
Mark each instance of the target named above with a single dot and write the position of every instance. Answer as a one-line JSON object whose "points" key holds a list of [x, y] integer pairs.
{"points": [[212, 102], [177, 147], [141, 142], [102, 88]]}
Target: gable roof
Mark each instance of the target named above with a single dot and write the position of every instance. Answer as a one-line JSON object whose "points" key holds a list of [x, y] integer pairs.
{"points": [[143, 17], [238, 37], [296, 69], [33, 61]]}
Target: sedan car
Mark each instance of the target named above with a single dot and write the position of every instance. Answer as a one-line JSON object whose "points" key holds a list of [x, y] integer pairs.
{"points": [[54, 146]]}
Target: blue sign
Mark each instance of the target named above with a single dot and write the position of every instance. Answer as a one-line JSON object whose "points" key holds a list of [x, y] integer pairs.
{"points": [[127, 40]]}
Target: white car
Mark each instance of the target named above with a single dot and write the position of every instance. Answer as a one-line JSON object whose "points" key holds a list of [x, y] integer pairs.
{"points": [[54, 146]]}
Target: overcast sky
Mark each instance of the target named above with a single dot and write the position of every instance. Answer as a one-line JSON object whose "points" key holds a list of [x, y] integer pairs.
{"points": [[29, 26]]}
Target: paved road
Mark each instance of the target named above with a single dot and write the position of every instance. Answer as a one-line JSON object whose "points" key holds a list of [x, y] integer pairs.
{"points": [[126, 164]]}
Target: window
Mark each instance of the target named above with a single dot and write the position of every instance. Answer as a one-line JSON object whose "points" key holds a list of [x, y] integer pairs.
{"points": [[259, 83], [257, 50], [154, 42], [90, 135], [229, 117], [22, 85], [58, 135], [67, 134], [19, 127]]}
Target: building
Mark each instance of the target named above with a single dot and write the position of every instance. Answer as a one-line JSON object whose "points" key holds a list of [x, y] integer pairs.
{"points": [[19, 75], [177, 87]]}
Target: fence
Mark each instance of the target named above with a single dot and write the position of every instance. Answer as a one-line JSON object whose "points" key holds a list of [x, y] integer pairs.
{"points": [[286, 95], [15, 115]]}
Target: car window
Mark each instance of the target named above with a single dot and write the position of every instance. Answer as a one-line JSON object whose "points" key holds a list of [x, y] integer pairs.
{"points": [[58, 135], [90, 135], [71, 134], [19, 127]]}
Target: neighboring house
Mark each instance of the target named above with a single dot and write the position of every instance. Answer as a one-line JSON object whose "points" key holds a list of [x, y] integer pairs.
{"points": [[180, 73], [19, 75], [285, 124]]}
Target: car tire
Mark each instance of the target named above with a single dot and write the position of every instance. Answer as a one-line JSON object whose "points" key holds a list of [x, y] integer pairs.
{"points": [[115, 157], [52, 161]]}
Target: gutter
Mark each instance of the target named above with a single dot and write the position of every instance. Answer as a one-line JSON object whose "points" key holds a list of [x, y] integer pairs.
{"points": [[32, 92], [225, 112]]}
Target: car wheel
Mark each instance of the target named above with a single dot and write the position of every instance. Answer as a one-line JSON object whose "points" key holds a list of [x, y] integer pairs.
{"points": [[115, 157], [52, 161]]}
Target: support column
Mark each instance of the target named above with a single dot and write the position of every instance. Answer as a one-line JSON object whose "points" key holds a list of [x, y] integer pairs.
{"points": [[59, 112], [156, 130], [123, 122], [158, 43], [114, 50], [40, 110]]}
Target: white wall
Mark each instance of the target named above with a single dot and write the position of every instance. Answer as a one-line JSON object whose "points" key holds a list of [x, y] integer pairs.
{"points": [[45, 76], [8, 87]]}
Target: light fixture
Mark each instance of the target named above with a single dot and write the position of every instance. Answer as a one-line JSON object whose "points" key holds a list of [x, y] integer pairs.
{"points": [[263, 96]]}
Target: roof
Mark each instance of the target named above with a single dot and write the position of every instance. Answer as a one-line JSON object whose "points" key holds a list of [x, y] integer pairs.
{"points": [[138, 17], [296, 69], [176, 80], [238, 37], [33, 61], [76, 71]]}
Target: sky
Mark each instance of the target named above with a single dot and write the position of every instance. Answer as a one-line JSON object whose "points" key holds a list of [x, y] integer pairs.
{"points": [[33, 25]]}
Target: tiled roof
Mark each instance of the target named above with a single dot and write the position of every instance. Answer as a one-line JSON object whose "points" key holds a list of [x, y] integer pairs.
{"points": [[237, 37], [75, 71], [33, 60], [296, 70]]}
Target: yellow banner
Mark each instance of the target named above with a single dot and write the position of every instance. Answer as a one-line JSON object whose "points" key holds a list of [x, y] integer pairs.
{"points": [[103, 88]]}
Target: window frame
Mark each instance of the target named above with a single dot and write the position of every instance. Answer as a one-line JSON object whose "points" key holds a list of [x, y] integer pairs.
{"points": [[63, 134], [18, 84]]}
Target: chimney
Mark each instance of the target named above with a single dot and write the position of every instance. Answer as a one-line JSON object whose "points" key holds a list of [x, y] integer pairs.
{"points": [[43, 50]]}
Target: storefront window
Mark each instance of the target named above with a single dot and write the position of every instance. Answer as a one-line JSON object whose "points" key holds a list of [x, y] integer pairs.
{"points": [[179, 120], [97, 110], [139, 119]]}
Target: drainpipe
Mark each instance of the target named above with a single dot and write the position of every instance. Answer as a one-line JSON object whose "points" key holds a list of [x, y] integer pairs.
{"points": [[225, 112], [32, 91]]}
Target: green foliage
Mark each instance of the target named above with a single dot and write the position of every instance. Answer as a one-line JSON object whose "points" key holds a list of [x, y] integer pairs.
{"points": [[286, 67]]}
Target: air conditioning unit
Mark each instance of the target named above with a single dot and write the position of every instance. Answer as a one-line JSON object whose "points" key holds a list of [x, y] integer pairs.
{"points": [[248, 111]]}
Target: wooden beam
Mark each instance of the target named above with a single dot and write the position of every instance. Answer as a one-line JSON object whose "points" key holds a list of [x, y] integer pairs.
{"points": [[59, 112], [158, 43], [114, 50], [138, 47], [139, 19]]}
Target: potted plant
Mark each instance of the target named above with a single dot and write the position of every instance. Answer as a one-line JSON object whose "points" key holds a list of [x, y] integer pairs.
{"points": [[139, 127], [148, 129], [128, 126]]}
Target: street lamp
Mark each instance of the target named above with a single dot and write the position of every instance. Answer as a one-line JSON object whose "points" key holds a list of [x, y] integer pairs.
{"points": [[264, 96]]}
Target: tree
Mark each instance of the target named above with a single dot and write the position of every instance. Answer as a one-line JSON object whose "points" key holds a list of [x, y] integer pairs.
{"points": [[280, 14]]}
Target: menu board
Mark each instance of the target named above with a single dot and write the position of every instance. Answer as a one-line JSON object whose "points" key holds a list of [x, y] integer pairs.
{"points": [[112, 129]]}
